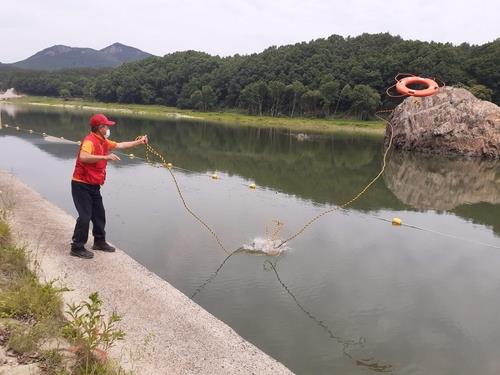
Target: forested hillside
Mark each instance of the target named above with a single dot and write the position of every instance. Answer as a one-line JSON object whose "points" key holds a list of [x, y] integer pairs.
{"points": [[317, 78]]}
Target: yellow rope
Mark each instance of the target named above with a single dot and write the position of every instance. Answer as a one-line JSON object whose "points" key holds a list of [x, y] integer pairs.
{"points": [[357, 196], [150, 150]]}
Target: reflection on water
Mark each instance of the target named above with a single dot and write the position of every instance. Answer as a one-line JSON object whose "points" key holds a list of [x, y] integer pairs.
{"points": [[9, 110], [438, 183], [411, 295], [470, 187], [352, 349], [348, 344], [324, 169]]}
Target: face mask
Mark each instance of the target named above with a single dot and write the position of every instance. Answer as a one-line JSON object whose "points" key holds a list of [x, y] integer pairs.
{"points": [[108, 132]]}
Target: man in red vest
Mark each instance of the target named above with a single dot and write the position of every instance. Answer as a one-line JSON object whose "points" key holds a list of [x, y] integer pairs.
{"points": [[88, 176]]}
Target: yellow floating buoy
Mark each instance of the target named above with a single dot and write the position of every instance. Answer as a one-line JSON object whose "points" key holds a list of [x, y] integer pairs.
{"points": [[252, 186], [18, 128], [44, 134], [79, 143], [131, 156], [215, 177], [6, 125], [170, 165], [31, 131], [397, 221]]}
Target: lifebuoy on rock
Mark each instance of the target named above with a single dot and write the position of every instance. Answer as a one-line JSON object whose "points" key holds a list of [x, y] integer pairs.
{"points": [[430, 86]]}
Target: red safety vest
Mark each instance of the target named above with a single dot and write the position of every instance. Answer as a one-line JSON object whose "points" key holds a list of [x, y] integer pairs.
{"points": [[92, 173]]}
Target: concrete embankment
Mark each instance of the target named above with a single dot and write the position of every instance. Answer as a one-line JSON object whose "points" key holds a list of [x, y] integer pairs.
{"points": [[167, 333]]}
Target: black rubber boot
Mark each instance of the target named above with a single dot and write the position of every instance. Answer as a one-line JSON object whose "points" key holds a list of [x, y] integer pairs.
{"points": [[103, 246], [81, 252]]}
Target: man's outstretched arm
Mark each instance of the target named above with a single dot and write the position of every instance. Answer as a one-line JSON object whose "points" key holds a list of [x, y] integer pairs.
{"points": [[140, 141]]}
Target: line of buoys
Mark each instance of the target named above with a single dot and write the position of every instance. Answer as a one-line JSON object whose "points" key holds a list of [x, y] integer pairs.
{"points": [[398, 222], [213, 176]]}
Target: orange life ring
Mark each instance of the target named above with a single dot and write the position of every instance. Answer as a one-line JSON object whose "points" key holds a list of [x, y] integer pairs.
{"points": [[403, 89]]}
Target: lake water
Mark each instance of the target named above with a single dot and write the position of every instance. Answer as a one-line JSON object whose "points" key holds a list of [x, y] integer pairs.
{"points": [[351, 295]]}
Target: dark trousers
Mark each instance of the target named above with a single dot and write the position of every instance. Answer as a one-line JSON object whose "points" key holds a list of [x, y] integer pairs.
{"points": [[88, 203]]}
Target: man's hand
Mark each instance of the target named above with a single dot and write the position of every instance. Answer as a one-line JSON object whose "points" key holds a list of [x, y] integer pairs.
{"points": [[112, 157], [142, 140]]}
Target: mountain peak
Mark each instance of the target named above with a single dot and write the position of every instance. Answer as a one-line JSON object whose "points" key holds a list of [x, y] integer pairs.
{"points": [[119, 48], [51, 51], [64, 57], [116, 44], [124, 53]]}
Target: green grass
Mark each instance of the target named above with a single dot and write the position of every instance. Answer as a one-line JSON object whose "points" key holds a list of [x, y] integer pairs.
{"points": [[53, 363], [27, 298], [233, 117], [12, 265], [4, 233], [25, 338], [31, 312], [37, 306], [21, 294]]}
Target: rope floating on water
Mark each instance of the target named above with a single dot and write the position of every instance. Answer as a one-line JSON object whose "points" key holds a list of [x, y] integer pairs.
{"points": [[357, 196], [432, 231], [169, 166], [347, 343], [150, 150]]}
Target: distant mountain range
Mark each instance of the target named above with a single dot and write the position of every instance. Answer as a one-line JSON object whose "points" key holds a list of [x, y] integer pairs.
{"points": [[64, 57]]}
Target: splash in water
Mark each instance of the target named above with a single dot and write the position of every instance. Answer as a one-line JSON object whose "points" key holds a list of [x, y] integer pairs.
{"points": [[271, 244], [265, 246]]}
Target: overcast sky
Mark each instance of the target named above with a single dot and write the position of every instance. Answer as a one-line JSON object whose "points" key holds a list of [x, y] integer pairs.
{"points": [[226, 27]]}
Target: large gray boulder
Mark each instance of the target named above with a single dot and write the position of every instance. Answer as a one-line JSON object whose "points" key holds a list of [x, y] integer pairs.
{"points": [[450, 122]]}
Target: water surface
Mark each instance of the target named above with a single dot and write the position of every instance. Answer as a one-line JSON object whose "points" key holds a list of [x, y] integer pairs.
{"points": [[352, 294]]}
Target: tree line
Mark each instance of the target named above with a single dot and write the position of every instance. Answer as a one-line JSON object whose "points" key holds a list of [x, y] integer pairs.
{"points": [[320, 78]]}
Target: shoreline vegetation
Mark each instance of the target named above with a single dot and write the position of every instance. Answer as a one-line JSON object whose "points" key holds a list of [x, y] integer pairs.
{"points": [[231, 118], [35, 335]]}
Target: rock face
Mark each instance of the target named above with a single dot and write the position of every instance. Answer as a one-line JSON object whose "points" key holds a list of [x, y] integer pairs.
{"points": [[451, 122]]}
